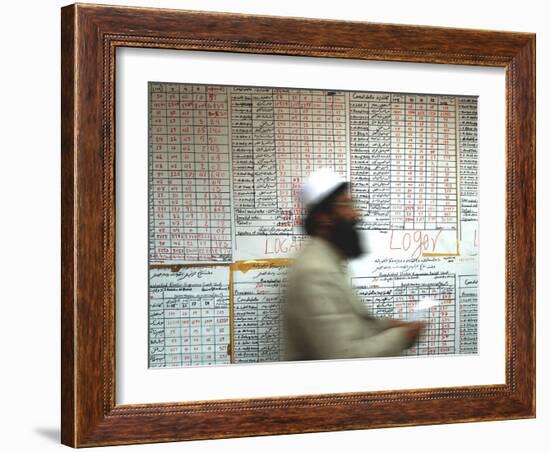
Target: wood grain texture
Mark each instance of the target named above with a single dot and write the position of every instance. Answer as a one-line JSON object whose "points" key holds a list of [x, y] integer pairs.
{"points": [[90, 36], [67, 224]]}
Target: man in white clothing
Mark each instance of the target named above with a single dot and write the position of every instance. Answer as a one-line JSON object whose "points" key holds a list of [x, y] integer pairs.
{"points": [[324, 319]]}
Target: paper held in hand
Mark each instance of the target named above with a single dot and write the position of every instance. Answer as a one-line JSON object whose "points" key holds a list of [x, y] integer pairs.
{"points": [[422, 309]]}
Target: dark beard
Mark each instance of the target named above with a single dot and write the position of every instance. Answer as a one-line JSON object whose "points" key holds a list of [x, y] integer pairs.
{"points": [[345, 237]]}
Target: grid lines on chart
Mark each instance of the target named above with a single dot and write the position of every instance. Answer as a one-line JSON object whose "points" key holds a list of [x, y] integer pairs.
{"points": [[404, 160], [189, 203], [397, 296]]}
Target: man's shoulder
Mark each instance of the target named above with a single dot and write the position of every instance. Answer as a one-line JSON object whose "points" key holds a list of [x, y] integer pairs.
{"points": [[317, 256]]}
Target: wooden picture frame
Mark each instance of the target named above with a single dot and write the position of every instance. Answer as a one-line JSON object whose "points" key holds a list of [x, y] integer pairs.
{"points": [[90, 36]]}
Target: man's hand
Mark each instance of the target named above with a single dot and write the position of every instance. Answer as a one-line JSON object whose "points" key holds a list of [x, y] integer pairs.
{"points": [[413, 330]]}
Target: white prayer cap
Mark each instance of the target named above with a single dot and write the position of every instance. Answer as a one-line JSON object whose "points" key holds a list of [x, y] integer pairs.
{"points": [[318, 186]]}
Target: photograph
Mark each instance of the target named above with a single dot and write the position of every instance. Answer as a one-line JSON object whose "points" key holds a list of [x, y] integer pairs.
{"points": [[275, 226], [240, 171]]}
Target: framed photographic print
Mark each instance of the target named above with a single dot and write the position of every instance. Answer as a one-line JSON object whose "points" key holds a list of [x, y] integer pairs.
{"points": [[185, 137]]}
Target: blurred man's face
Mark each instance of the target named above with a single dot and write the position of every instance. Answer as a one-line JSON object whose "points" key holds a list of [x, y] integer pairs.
{"points": [[343, 233]]}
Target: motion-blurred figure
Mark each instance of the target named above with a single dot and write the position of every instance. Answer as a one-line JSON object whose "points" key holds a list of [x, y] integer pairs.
{"points": [[324, 318]]}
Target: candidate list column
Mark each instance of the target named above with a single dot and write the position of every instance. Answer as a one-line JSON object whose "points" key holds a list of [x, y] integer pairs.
{"points": [[242, 159], [360, 157], [370, 123], [265, 165]]}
